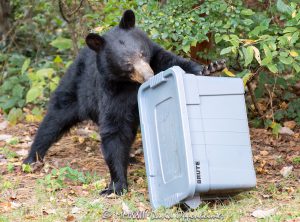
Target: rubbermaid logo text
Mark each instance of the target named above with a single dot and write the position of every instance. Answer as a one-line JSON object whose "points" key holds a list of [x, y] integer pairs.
{"points": [[198, 172]]}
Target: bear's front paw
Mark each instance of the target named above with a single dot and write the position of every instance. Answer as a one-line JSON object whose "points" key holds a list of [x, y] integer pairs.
{"points": [[214, 67], [117, 188], [29, 160]]}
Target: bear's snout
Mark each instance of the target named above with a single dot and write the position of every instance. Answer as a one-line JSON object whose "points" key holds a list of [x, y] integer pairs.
{"points": [[142, 71]]}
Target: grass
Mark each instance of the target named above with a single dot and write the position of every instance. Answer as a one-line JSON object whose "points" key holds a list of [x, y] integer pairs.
{"points": [[65, 193], [8, 153], [78, 198]]}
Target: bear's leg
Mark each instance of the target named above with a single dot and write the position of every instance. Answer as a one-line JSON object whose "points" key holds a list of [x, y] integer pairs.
{"points": [[56, 122], [116, 143], [163, 59]]}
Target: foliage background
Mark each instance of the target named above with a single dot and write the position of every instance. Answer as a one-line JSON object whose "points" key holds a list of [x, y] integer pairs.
{"points": [[260, 40]]}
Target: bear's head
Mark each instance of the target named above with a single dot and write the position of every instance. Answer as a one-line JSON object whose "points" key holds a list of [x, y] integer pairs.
{"points": [[124, 52]]}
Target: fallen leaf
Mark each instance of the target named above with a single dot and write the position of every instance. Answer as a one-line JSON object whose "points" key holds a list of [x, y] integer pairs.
{"points": [[264, 153], [15, 205], [75, 210], [70, 218], [293, 220], [81, 139], [290, 190], [84, 132], [5, 207], [296, 148], [286, 171], [30, 217], [263, 213], [96, 201], [266, 196], [112, 196], [99, 28], [290, 124], [142, 207], [88, 149], [22, 152], [5, 137], [3, 125], [138, 151], [49, 211], [3, 159], [286, 131], [140, 181], [284, 105], [13, 196], [125, 208]]}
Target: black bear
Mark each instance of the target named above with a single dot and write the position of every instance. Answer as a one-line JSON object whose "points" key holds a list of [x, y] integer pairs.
{"points": [[102, 85]]}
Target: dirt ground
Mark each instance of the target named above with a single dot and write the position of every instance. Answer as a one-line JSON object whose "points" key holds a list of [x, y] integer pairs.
{"points": [[22, 198]]}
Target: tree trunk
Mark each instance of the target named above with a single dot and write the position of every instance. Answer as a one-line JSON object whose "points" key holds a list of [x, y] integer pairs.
{"points": [[4, 17]]}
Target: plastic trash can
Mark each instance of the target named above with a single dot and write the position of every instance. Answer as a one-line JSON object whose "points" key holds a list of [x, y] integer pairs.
{"points": [[195, 137]]}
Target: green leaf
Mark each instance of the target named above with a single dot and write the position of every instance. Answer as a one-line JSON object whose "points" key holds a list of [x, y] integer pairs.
{"points": [[218, 38], [154, 33], [272, 68], [294, 38], [247, 12], [248, 55], [62, 43], [282, 7], [54, 83], [36, 111], [267, 51], [9, 103], [186, 48], [57, 59], [164, 35], [296, 67], [247, 77], [25, 65], [226, 50], [18, 91], [267, 60], [290, 29], [14, 115], [33, 94], [247, 22], [275, 128], [286, 60], [26, 168], [47, 72]]}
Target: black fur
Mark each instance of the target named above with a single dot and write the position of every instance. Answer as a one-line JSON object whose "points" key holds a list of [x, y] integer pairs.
{"points": [[97, 86]]}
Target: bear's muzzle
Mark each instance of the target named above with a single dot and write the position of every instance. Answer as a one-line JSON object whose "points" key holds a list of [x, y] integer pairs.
{"points": [[142, 71]]}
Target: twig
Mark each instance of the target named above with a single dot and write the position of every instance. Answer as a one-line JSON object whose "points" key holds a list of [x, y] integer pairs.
{"points": [[271, 98], [77, 9], [250, 90], [253, 98], [61, 10]]}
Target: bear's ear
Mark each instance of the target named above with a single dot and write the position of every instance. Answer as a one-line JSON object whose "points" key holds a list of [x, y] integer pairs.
{"points": [[128, 20], [94, 42]]}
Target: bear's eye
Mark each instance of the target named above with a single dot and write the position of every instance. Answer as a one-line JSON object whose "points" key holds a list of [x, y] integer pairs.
{"points": [[128, 67], [143, 54]]}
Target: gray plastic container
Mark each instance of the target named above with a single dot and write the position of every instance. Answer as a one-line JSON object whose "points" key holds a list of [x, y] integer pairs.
{"points": [[195, 137]]}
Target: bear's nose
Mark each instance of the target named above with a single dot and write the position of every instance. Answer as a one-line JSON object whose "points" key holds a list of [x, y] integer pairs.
{"points": [[142, 71]]}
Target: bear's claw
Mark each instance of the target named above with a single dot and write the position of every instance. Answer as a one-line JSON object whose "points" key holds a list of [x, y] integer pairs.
{"points": [[214, 67], [117, 188], [29, 160]]}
